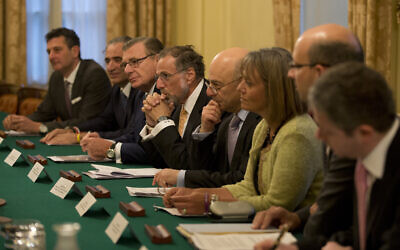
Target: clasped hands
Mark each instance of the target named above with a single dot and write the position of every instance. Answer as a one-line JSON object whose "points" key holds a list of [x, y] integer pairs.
{"points": [[155, 106], [95, 146], [20, 123]]}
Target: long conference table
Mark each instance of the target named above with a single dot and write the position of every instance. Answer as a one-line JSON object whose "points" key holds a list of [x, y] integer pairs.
{"points": [[28, 200]]}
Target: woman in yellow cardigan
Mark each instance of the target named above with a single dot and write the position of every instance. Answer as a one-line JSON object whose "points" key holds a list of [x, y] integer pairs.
{"points": [[285, 163]]}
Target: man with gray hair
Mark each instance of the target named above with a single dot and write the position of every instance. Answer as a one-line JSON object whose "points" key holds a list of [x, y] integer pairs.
{"points": [[355, 111], [139, 60], [167, 134]]}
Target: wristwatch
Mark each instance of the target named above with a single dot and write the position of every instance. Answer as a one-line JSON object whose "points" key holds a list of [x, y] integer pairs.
{"points": [[162, 118], [43, 128], [111, 151]]}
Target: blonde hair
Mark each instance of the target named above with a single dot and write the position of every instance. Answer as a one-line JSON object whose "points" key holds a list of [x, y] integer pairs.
{"points": [[272, 65]]}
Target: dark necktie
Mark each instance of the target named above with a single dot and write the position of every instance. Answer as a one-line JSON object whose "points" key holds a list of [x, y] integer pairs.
{"points": [[361, 187], [67, 98], [233, 133], [123, 102]]}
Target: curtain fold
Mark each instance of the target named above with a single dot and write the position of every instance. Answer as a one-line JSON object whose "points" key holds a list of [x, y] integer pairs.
{"points": [[139, 18], [286, 22], [13, 41], [371, 21]]}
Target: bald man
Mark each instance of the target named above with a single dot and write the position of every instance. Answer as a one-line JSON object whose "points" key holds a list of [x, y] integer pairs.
{"points": [[216, 158], [315, 51]]}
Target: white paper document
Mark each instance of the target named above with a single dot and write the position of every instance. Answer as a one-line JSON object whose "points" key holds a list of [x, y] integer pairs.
{"points": [[116, 227], [35, 171], [147, 192], [62, 187], [75, 158], [236, 241], [222, 228], [20, 133], [175, 211], [12, 157], [85, 204], [107, 172]]}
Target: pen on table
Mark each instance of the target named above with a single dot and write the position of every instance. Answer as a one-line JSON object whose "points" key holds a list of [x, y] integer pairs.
{"points": [[284, 229]]}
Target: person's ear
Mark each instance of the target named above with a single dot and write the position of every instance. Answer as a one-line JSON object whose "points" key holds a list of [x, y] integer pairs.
{"points": [[320, 69], [190, 75], [75, 50], [364, 133]]}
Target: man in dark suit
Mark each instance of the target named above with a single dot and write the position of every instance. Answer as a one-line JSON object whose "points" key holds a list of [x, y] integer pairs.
{"points": [[113, 121], [355, 110], [216, 158], [139, 60], [167, 134], [78, 89]]}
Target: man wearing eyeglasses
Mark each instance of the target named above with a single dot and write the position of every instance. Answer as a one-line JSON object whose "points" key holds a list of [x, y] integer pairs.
{"points": [[167, 134], [139, 60], [221, 144], [78, 89]]}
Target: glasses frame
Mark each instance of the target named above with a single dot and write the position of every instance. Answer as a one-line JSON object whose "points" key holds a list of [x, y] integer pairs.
{"points": [[164, 76], [294, 65], [134, 62], [215, 90]]}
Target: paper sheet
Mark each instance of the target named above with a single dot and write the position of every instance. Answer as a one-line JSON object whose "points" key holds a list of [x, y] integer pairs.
{"points": [[146, 192], [107, 172], [75, 158], [175, 211], [236, 241], [224, 228], [20, 133]]}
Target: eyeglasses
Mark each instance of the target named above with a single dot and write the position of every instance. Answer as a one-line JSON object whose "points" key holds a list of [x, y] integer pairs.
{"points": [[166, 76], [215, 89], [294, 65], [134, 62]]}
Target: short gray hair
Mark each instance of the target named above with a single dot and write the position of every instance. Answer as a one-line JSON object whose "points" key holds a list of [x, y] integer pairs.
{"points": [[351, 94], [153, 45]]}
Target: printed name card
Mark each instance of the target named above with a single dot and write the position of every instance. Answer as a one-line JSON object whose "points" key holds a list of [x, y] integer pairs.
{"points": [[62, 187], [12, 157], [35, 171], [1, 140], [85, 204], [116, 227]]}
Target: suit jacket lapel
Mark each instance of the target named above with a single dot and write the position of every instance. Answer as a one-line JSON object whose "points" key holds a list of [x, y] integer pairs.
{"points": [[195, 115], [76, 87], [244, 132], [379, 189]]}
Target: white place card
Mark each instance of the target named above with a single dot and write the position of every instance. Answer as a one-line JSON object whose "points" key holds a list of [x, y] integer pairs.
{"points": [[85, 204], [35, 171], [1, 140], [116, 227], [62, 187], [12, 157]]}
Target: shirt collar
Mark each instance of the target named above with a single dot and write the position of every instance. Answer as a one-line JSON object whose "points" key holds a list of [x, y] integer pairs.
{"points": [[126, 90], [242, 114], [152, 89], [72, 76], [375, 161], [192, 99]]}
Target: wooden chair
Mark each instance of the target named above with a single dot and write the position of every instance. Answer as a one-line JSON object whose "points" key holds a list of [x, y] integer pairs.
{"points": [[29, 99], [9, 97]]}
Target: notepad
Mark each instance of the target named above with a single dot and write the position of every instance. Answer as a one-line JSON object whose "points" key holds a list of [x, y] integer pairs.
{"points": [[236, 241]]}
